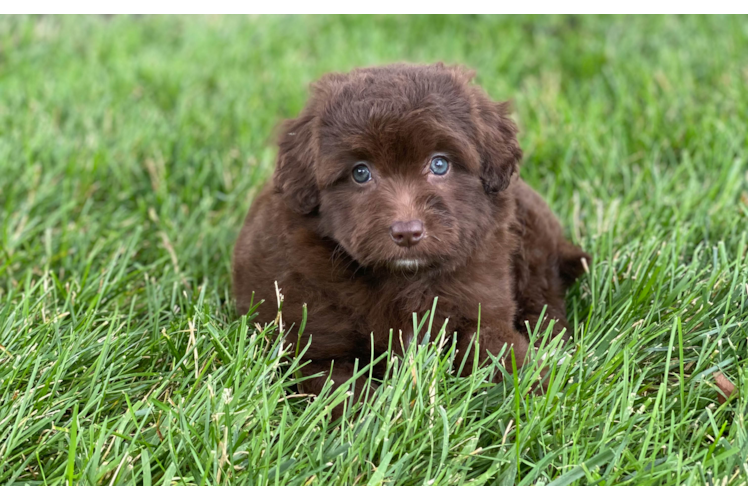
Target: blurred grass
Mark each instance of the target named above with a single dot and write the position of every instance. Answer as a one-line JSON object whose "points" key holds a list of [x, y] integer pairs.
{"points": [[131, 147]]}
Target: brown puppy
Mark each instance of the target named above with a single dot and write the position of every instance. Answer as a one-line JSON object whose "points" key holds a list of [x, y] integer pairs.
{"points": [[396, 185]]}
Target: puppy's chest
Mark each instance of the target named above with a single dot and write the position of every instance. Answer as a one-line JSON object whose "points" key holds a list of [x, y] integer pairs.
{"points": [[380, 306], [393, 308]]}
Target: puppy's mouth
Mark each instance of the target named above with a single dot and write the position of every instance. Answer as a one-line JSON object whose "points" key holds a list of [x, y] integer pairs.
{"points": [[407, 264]]}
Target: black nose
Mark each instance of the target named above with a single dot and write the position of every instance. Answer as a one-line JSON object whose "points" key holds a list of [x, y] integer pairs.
{"points": [[407, 234]]}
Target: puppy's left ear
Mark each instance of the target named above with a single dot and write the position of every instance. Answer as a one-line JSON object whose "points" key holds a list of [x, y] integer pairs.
{"points": [[499, 148], [294, 170]]}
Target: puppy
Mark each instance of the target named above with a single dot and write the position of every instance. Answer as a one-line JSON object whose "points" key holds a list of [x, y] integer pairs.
{"points": [[395, 185]]}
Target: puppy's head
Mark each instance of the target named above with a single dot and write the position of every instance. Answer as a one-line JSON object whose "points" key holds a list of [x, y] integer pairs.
{"points": [[403, 165]]}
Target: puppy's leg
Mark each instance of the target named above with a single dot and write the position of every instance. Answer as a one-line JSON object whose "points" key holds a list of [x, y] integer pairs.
{"points": [[545, 264], [492, 339], [339, 371], [532, 316], [542, 283], [538, 286]]}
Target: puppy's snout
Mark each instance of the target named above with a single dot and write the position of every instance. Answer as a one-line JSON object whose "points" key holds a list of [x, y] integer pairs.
{"points": [[407, 234]]}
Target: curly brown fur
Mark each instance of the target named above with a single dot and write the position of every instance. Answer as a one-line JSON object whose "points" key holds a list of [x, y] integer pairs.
{"points": [[487, 238]]}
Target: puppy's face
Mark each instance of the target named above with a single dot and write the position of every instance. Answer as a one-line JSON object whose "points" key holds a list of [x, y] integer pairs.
{"points": [[403, 165]]}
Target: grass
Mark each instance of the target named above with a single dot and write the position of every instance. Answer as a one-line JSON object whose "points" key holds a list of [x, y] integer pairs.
{"points": [[130, 150]]}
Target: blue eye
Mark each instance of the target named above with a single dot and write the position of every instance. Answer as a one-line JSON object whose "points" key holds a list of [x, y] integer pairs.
{"points": [[361, 173], [439, 165]]}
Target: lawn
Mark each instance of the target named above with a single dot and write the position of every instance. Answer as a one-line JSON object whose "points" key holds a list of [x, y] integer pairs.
{"points": [[130, 151]]}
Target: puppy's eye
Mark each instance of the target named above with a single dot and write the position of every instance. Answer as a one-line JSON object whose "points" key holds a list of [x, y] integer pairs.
{"points": [[361, 173], [439, 165]]}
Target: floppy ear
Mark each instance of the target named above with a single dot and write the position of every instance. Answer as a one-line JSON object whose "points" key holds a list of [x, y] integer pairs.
{"points": [[499, 148], [294, 170]]}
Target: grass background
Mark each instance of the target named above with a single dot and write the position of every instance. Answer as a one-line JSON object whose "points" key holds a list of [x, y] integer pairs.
{"points": [[130, 150]]}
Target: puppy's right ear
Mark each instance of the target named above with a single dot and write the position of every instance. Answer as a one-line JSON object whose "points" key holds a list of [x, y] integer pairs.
{"points": [[500, 151], [294, 170]]}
